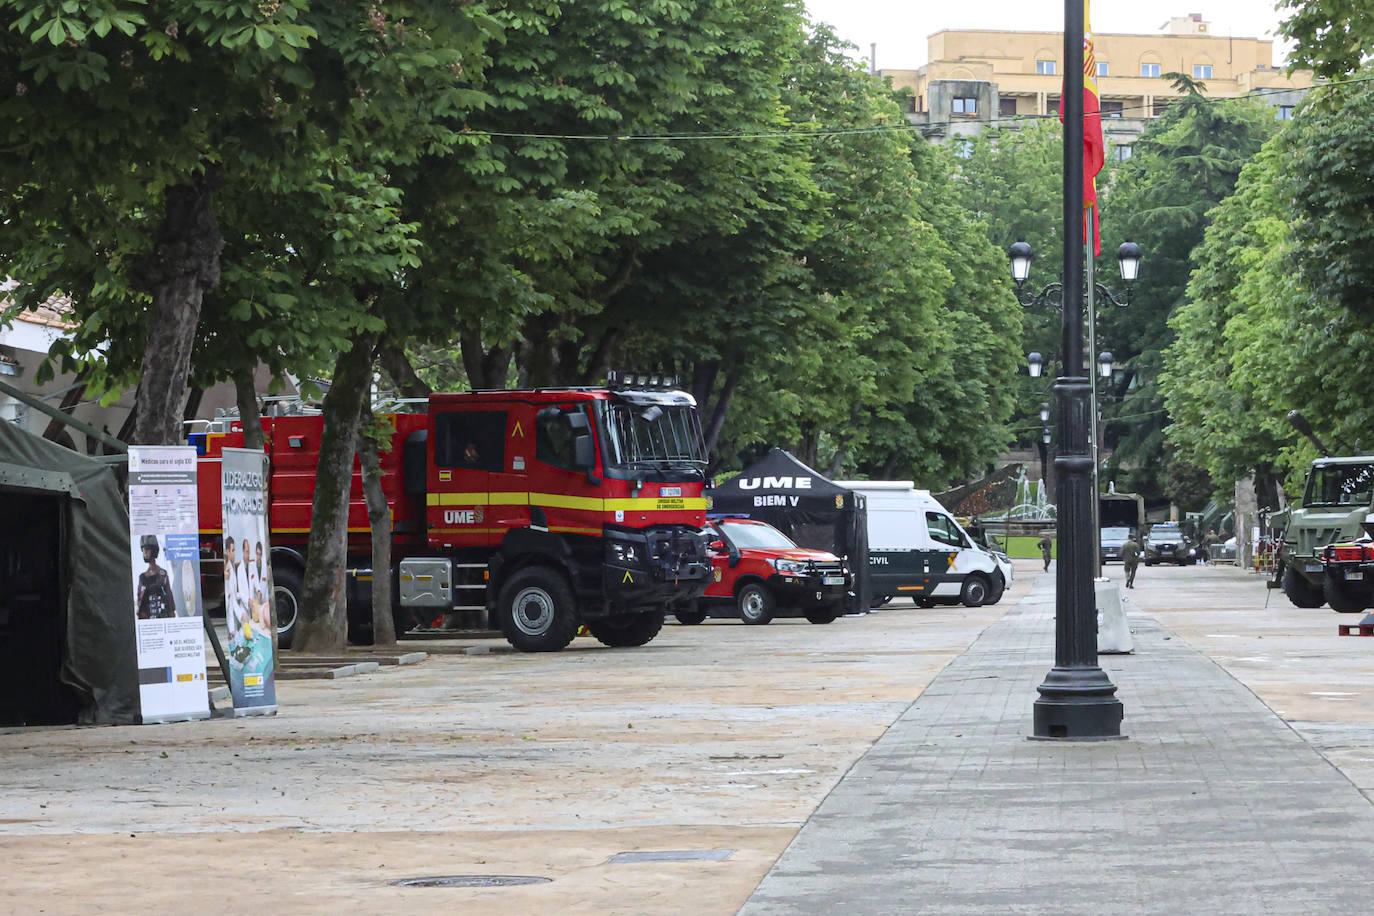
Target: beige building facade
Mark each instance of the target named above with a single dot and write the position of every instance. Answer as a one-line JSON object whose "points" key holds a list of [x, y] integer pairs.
{"points": [[975, 78]]}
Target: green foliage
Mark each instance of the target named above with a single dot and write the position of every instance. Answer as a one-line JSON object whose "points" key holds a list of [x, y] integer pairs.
{"points": [[1187, 161], [1333, 37]]}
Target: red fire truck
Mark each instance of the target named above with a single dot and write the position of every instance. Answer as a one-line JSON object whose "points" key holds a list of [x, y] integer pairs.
{"points": [[541, 510]]}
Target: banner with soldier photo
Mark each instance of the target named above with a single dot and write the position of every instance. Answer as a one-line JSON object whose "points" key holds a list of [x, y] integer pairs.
{"points": [[164, 533], [247, 582]]}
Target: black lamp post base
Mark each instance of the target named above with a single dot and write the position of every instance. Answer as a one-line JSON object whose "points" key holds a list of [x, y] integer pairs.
{"points": [[1078, 704]]}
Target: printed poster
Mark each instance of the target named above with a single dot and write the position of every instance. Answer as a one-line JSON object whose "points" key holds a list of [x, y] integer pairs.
{"points": [[164, 531], [247, 582]]}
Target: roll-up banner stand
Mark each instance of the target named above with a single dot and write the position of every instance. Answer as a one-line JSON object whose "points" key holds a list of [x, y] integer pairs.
{"points": [[164, 531], [247, 582]]}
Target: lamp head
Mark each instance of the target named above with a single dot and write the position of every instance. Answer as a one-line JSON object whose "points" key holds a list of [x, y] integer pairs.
{"points": [[1128, 256], [1020, 255], [1036, 363], [1104, 364]]}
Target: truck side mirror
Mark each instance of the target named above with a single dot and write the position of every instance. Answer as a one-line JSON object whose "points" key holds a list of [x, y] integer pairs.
{"points": [[584, 456]]}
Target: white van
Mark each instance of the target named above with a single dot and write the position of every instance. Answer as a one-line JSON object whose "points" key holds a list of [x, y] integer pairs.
{"points": [[917, 550]]}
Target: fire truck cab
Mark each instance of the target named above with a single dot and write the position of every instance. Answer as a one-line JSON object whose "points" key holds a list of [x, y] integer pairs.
{"points": [[541, 510]]}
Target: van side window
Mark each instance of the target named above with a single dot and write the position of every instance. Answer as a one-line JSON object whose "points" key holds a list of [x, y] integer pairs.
{"points": [[554, 438], [942, 530], [473, 441]]}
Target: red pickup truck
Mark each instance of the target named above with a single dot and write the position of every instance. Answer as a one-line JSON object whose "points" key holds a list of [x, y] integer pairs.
{"points": [[758, 573]]}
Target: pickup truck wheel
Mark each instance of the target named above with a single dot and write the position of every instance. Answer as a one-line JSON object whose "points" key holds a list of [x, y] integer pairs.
{"points": [[975, 591], [1300, 591], [536, 610], [287, 585], [826, 614], [626, 630], [1342, 599], [690, 618], [755, 604]]}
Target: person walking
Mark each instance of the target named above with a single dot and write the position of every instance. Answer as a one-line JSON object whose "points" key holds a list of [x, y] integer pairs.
{"points": [[1130, 558], [1046, 545], [1208, 542]]}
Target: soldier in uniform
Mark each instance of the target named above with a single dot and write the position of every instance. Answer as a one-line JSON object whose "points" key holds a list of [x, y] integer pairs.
{"points": [[1045, 545], [155, 599], [1130, 558]]}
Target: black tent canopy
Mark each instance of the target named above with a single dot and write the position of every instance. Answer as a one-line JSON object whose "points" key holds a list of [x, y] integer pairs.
{"points": [[801, 503], [67, 647]]}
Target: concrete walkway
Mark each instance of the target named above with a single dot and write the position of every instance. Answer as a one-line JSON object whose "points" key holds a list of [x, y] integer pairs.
{"points": [[1213, 804]]}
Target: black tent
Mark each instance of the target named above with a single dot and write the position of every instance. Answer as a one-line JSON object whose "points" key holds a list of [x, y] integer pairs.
{"points": [[67, 652], [804, 505]]}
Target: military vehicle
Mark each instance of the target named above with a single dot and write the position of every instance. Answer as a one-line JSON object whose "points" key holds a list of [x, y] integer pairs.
{"points": [[1335, 501]]}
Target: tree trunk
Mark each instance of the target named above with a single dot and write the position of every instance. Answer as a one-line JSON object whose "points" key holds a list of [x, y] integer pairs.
{"points": [[379, 519], [719, 410], [485, 368], [396, 364], [246, 392], [183, 264], [323, 622]]}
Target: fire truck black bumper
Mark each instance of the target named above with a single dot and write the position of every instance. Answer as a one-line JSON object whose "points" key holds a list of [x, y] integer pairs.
{"points": [[655, 568]]}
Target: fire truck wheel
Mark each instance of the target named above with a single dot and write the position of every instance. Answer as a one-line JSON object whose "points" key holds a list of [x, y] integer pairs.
{"points": [[1342, 599], [975, 591], [536, 610], [623, 631], [287, 585], [690, 618], [755, 603], [1299, 591]]}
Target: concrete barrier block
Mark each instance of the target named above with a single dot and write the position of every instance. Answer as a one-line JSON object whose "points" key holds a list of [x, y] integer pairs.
{"points": [[1113, 635]]}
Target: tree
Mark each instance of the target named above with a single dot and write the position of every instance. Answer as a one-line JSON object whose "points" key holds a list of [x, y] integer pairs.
{"points": [[1187, 161], [1333, 37]]}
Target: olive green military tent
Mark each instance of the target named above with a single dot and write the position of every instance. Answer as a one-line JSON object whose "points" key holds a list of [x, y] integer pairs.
{"points": [[67, 651]]}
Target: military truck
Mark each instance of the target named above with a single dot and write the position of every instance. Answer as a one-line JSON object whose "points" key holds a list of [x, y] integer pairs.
{"points": [[1339, 493]]}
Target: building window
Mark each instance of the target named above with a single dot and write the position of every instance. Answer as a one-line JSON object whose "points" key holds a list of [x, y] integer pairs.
{"points": [[1285, 113], [1006, 107], [1122, 153], [1045, 67], [1149, 69], [1202, 71], [1159, 108], [963, 147], [1103, 68], [1112, 109], [965, 106], [1052, 106]]}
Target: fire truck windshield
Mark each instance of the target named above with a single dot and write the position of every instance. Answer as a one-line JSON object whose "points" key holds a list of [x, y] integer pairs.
{"points": [[1339, 485], [661, 436]]}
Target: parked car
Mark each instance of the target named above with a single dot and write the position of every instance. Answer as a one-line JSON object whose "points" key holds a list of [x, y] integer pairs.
{"points": [[759, 573], [1166, 543]]}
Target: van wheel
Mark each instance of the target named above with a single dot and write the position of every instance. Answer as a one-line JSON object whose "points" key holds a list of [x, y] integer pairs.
{"points": [[623, 631], [1301, 592], [287, 585], [755, 604], [879, 600], [827, 614], [690, 618], [536, 610], [975, 591], [996, 589]]}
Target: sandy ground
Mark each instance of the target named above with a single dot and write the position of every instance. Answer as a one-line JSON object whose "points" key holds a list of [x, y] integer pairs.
{"points": [[707, 748]]}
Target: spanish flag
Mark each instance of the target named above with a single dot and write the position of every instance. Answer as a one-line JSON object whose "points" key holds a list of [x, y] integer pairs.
{"points": [[1094, 149]]}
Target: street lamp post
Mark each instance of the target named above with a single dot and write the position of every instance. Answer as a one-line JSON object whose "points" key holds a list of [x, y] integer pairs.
{"points": [[1077, 700]]}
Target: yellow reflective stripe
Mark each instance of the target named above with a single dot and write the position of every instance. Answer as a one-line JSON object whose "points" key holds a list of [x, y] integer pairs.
{"points": [[562, 501], [561, 529], [559, 501]]}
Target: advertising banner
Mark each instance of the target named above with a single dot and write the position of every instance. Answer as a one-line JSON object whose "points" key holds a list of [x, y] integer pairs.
{"points": [[247, 582], [164, 531]]}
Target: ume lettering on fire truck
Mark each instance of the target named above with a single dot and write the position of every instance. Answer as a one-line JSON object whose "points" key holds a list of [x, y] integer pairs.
{"points": [[538, 510]]}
